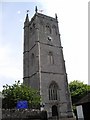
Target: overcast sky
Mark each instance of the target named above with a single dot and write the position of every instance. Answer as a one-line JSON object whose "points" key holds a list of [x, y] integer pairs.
{"points": [[73, 27]]}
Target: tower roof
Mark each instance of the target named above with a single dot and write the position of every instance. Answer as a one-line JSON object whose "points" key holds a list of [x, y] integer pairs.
{"points": [[27, 22], [43, 16]]}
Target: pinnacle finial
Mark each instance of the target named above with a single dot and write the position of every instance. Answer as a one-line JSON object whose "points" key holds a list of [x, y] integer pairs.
{"points": [[36, 9], [27, 18], [56, 16]]}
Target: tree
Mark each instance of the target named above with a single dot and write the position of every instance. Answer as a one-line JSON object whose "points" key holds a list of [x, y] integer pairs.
{"points": [[16, 92], [78, 90]]}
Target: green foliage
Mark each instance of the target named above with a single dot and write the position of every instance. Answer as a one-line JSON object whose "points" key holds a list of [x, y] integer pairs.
{"points": [[18, 92], [78, 90]]}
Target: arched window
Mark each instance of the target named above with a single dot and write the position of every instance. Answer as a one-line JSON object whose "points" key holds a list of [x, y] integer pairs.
{"points": [[54, 29], [48, 29], [32, 59], [53, 91], [41, 26], [50, 57]]}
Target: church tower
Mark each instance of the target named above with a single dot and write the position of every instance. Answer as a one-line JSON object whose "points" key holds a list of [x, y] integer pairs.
{"points": [[44, 64]]}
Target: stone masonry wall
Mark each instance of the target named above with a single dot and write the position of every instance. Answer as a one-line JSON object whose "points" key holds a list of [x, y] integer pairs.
{"points": [[23, 114]]}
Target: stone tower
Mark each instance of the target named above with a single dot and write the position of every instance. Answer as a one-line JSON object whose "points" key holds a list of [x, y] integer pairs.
{"points": [[44, 65]]}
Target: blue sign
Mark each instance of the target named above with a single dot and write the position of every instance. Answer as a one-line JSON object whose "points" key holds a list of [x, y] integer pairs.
{"points": [[22, 104]]}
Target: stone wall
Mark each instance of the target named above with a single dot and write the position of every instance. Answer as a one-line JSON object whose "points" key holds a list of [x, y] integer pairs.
{"points": [[23, 114]]}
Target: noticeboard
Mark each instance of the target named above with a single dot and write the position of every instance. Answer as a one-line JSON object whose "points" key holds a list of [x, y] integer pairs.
{"points": [[22, 104]]}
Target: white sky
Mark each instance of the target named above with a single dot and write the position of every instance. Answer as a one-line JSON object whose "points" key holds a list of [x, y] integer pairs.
{"points": [[73, 26]]}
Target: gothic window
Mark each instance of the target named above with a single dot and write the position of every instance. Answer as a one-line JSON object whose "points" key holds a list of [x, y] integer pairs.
{"points": [[50, 58], [53, 91], [48, 29], [41, 25], [54, 29], [32, 59]]}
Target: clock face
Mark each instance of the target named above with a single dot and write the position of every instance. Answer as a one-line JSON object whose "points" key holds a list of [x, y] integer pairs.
{"points": [[49, 38]]}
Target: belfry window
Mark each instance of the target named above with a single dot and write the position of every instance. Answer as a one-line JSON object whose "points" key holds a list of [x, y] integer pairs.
{"points": [[51, 59], [53, 91], [48, 29], [54, 30]]}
